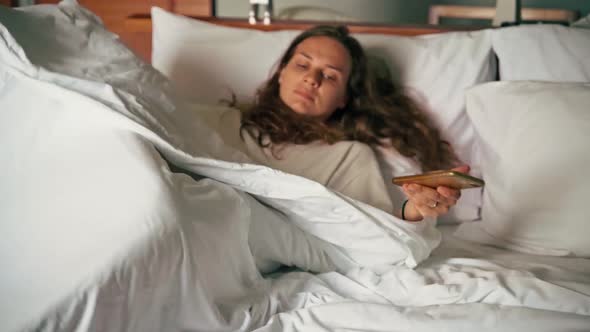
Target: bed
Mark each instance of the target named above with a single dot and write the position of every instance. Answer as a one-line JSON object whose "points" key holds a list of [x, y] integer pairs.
{"points": [[122, 211]]}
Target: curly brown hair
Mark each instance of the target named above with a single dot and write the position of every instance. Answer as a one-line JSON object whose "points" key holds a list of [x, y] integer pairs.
{"points": [[378, 113]]}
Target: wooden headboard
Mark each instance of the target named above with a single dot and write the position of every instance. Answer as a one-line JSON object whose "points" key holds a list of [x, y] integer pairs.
{"points": [[139, 27], [130, 19]]}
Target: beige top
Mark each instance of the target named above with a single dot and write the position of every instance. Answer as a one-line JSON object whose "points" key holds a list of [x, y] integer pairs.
{"points": [[350, 168]]}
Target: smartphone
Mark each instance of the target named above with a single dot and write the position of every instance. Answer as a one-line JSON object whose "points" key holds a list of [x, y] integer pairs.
{"points": [[447, 178]]}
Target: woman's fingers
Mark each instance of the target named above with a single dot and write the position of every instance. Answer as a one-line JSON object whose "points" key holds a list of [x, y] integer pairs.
{"points": [[432, 210], [450, 193], [422, 195], [462, 169], [431, 202], [430, 197]]}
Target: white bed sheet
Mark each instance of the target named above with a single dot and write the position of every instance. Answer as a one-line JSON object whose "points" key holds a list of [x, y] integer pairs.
{"points": [[99, 234], [463, 286]]}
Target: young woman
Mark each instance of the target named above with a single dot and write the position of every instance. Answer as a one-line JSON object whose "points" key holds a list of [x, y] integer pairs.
{"points": [[322, 98]]}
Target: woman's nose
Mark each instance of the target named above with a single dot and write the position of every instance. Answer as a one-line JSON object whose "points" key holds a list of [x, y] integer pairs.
{"points": [[313, 78]]}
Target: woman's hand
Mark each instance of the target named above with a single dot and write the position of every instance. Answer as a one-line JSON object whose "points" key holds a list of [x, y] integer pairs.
{"points": [[428, 202]]}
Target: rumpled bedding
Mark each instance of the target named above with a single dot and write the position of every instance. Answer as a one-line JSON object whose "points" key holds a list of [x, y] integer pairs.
{"points": [[87, 181], [99, 232]]}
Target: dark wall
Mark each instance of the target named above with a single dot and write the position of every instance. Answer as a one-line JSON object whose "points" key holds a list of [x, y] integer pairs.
{"points": [[391, 11]]}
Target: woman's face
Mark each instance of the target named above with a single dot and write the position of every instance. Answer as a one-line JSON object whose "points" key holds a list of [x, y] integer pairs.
{"points": [[314, 81]]}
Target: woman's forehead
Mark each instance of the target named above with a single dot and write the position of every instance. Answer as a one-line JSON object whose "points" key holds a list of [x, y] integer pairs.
{"points": [[324, 49]]}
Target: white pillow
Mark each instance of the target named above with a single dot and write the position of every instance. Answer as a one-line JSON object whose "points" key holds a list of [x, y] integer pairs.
{"points": [[583, 23], [206, 62], [543, 52], [535, 151]]}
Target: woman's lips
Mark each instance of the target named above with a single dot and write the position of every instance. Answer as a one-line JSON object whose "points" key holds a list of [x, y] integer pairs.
{"points": [[306, 95]]}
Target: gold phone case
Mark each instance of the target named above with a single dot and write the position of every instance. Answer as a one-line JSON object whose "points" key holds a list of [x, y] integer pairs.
{"points": [[451, 179]]}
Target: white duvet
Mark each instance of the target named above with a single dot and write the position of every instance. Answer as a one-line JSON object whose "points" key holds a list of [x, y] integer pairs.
{"points": [[97, 233]]}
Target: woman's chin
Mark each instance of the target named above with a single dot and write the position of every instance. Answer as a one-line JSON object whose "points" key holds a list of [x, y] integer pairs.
{"points": [[301, 109]]}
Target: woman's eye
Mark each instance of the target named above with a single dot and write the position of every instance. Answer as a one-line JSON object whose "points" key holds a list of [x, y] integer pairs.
{"points": [[329, 77], [301, 65]]}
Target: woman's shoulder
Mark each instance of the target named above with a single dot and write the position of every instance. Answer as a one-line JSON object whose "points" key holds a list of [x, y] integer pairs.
{"points": [[359, 149], [394, 163]]}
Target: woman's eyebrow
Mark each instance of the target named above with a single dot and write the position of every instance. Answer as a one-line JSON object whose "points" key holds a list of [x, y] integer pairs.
{"points": [[305, 55], [336, 68]]}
